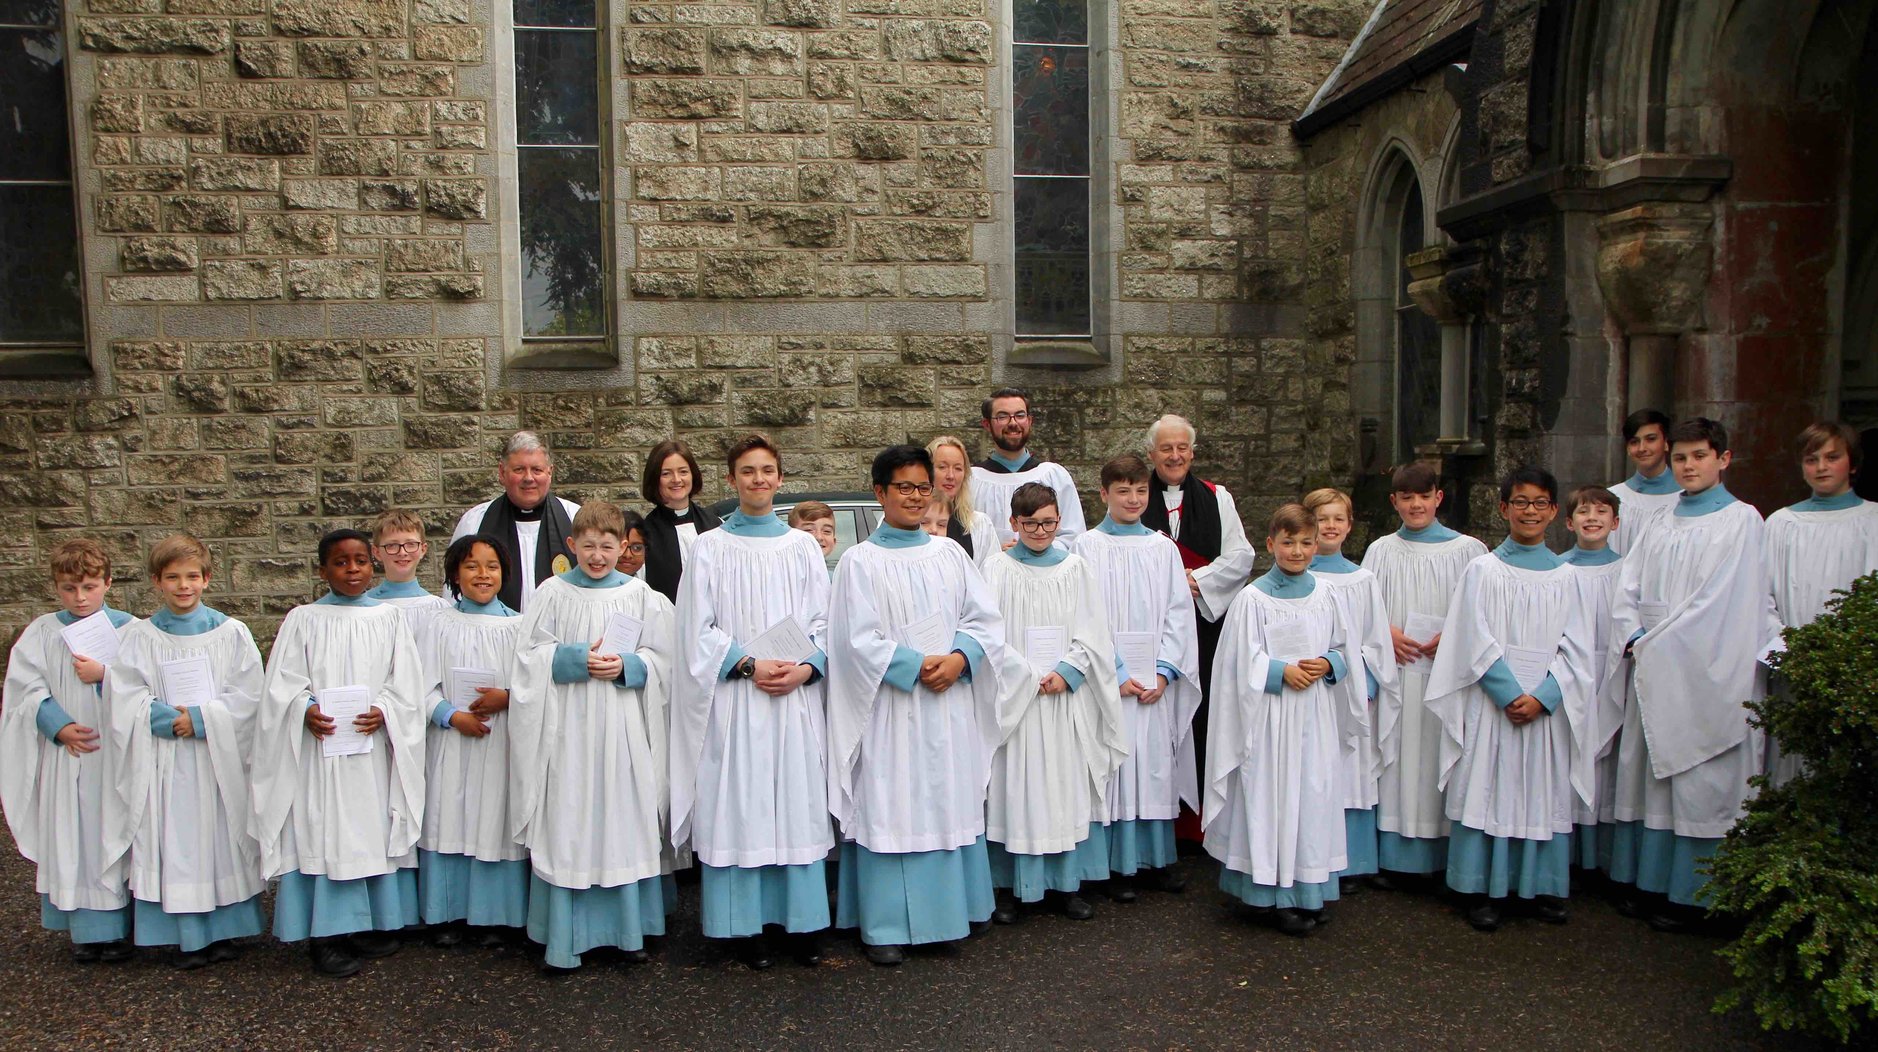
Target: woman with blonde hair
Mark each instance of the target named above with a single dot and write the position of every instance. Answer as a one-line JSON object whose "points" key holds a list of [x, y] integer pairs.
{"points": [[951, 480]]}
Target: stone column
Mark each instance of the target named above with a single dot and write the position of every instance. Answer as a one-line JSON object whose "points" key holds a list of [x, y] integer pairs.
{"points": [[1654, 261]]}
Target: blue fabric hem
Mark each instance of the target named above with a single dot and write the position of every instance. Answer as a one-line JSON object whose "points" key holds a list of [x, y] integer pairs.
{"points": [[741, 901], [189, 932], [916, 897]]}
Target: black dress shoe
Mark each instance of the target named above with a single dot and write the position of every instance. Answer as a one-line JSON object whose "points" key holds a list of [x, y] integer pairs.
{"points": [[188, 960], [886, 956], [556, 970], [491, 939], [1162, 879], [639, 956], [371, 945], [446, 936], [1628, 905], [1009, 911], [1293, 922], [113, 952], [1674, 918], [1348, 886], [223, 951], [806, 948], [1075, 907], [1380, 881], [1318, 917], [85, 952], [1550, 909], [332, 959], [1118, 891], [1484, 915], [754, 953]]}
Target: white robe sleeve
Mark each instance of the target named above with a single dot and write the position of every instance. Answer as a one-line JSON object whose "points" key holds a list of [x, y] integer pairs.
{"points": [[280, 734], [1221, 579], [857, 667], [985, 543], [1092, 650], [1240, 668], [1068, 505], [27, 684], [1180, 647], [702, 648], [400, 698]]}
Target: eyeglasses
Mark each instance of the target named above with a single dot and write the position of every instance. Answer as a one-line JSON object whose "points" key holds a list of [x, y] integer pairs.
{"points": [[1006, 418], [907, 489], [402, 548], [1522, 504], [634, 549], [1038, 526]]}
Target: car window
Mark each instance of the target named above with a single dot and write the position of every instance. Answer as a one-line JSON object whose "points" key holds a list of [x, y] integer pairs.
{"points": [[845, 531]]}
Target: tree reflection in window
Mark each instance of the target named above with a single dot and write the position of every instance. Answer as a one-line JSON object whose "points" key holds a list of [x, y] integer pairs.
{"points": [[1050, 183], [558, 169], [40, 300]]}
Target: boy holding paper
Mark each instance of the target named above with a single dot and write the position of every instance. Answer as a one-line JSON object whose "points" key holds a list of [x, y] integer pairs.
{"points": [[1417, 567], [588, 742], [338, 767], [56, 768], [1512, 688], [1692, 615], [184, 692], [1273, 813], [399, 546], [1062, 712], [1150, 611], [469, 869], [749, 780], [1592, 518]]}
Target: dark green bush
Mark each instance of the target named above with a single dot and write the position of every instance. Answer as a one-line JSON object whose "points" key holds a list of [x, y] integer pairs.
{"points": [[1801, 870]]}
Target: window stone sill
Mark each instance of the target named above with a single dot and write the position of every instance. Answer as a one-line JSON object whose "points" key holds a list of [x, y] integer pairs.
{"points": [[1057, 354]]}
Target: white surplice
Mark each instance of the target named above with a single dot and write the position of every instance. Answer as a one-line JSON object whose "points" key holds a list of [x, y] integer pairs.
{"points": [[466, 780], [1638, 514], [1050, 776], [985, 540], [1365, 619], [1271, 809], [342, 817], [417, 609], [1221, 579], [181, 804], [991, 494], [588, 791], [908, 770], [55, 801], [1144, 589], [1686, 751], [1415, 578], [1503, 779], [1607, 706], [749, 782]]}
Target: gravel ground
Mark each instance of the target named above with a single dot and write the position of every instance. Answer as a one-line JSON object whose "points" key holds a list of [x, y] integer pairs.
{"points": [[1394, 970]]}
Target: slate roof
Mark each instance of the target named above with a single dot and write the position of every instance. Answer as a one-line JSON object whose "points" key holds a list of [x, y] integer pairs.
{"points": [[1403, 39]]}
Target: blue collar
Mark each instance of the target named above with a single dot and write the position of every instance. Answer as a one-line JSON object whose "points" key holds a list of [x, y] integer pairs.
{"points": [[894, 537], [1433, 533], [492, 608], [1012, 465], [1662, 485], [754, 525], [118, 617], [1108, 525], [332, 598], [1527, 556], [1712, 499], [1848, 499], [1048, 557], [579, 579], [397, 590], [1281, 585], [1590, 556], [194, 623], [1332, 564]]}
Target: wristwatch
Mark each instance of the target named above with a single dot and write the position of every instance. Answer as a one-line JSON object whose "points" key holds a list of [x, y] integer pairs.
{"points": [[743, 669]]}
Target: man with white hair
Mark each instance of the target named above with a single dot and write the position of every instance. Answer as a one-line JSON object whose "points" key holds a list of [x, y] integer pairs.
{"points": [[532, 527], [1203, 522]]}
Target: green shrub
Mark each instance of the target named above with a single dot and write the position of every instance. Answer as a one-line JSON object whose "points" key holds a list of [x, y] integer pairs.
{"points": [[1801, 870]]}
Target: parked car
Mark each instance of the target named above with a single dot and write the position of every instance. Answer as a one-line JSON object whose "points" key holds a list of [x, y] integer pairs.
{"points": [[856, 513]]}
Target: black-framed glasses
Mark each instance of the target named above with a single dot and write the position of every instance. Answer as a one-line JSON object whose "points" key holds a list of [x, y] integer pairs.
{"points": [[402, 548], [1523, 503], [1039, 526], [907, 489], [634, 549], [1005, 418]]}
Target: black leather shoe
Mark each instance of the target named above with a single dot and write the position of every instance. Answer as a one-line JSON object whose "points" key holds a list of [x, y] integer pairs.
{"points": [[446, 936], [1550, 909], [1321, 918], [332, 959], [1075, 907], [1671, 917], [491, 939], [1009, 911], [114, 952], [1380, 882], [223, 952], [1293, 922], [1118, 890], [639, 956], [1162, 879], [806, 948], [372, 945], [85, 952], [754, 954], [1348, 886], [556, 970], [886, 956], [1484, 915], [188, 960]]}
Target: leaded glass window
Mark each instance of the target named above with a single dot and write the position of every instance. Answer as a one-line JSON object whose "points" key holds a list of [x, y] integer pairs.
{"points": [[41, 305], [1051, 167], [559, 172]]}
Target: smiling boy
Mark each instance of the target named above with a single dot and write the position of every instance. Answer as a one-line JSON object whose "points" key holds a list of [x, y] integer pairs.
{"points": [[399, 546], [1651, 491]]}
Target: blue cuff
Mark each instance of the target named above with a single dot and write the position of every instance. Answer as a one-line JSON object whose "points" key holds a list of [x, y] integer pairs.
{"points": [[632, 673], [52, 719], [1165, 669], [310, 702], [1121, 671], [731, 659], [819, 662], [570, 663], [973, 653], [1549, 694], [1500, 684], [442, 713], [200, 729], [163, 719], [1370, 686], [1634, 636], [1275, 677], [1339, 668], [1071, 675], [903, 670]]}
